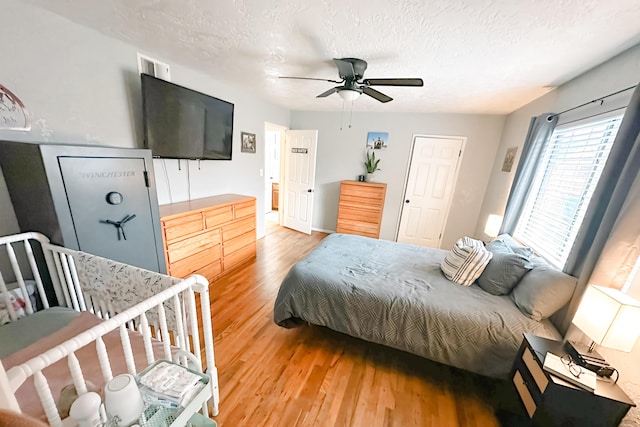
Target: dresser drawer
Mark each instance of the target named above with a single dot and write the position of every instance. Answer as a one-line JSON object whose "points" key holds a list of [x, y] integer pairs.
{"points": [[191, 264], [183, 248], [361, 202], [359, 213], [232, 245], [237, 228], [239, 256], [183, 226], [218, 216], [535, 370], [368, 194], [240, 210], [211, 270], [351, 226], [523, 392]]}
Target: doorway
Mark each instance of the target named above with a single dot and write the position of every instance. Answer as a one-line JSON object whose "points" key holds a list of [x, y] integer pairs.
{"points": [[274, 137], [433, 171], [290, 163]]}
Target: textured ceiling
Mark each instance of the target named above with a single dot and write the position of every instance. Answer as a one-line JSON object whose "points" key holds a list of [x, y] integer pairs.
{"points": [[475, 56]]}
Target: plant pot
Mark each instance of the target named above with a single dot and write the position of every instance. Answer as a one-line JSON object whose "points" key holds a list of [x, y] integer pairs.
{"points": [[371, 177]]}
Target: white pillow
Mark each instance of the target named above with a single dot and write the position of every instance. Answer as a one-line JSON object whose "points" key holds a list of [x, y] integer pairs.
{"points": [[466, 261]]}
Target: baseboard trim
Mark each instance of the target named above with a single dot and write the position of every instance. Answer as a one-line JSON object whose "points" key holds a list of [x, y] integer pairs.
{"points": [[322, 230]]}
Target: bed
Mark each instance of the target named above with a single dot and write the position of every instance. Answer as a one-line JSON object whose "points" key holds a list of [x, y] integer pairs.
{"points": [[112, 318], [396, 294]]}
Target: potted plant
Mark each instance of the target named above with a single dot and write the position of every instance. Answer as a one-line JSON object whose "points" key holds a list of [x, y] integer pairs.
{"points": [[371, 165]]}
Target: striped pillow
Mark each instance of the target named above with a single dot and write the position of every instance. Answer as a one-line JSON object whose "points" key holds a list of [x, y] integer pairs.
{"points": [[466, 261]]}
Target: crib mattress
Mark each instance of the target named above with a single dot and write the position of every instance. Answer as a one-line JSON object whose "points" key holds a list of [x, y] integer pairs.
{"points": [[27, 330], [58, 374]]}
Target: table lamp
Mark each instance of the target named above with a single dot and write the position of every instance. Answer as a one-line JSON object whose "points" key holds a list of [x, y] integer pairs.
{"points": [[609, 318], [492, 227]]}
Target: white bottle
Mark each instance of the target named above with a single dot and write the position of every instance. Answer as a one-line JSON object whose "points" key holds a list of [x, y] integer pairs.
{"points": [[122, 398], [86, 410]]}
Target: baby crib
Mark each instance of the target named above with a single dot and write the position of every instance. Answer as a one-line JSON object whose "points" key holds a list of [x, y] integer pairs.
{"points": [[128, 317]]}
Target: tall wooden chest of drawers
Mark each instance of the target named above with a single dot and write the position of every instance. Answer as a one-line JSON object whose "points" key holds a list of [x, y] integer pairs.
{"points": [[208, 236], [360, 208]]}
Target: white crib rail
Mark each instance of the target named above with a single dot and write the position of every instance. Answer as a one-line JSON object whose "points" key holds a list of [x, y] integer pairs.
{"points": [[22, 270], [62, 271], [182, 294]]}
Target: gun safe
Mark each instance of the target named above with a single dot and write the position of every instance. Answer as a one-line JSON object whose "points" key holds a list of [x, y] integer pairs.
{"points": [[100, 200]]}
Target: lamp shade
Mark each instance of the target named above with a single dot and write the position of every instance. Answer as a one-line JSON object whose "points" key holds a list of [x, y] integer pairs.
{"points": [[348, 94], [492, 227], [609, 317]]}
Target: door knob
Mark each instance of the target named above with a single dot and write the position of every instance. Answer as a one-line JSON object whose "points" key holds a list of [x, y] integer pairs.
{"points": [[407, 201], [310, 191]]}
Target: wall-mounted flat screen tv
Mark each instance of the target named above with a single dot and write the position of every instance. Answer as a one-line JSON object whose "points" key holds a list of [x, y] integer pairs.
{"points": [[180, 123]]}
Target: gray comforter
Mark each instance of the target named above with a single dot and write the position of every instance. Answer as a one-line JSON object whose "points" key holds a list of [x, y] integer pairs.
{"points": [[395, 294]]}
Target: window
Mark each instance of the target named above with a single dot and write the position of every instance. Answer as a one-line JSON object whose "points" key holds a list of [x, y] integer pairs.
{"points": [[571, 165]]}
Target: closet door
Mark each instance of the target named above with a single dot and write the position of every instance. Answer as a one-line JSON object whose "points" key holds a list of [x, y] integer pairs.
{"points": [[429, 190]]}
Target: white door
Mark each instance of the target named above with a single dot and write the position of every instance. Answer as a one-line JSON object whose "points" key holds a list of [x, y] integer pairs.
{"points": [[430, 184], [299, 179]]}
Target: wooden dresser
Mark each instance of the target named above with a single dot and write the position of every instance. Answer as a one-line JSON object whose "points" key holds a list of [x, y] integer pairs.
{"points": [[360, 208], [208, 236], [275, 194]]}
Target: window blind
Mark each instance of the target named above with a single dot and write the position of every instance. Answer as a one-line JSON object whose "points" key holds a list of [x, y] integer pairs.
{"points": [[569, 171]]}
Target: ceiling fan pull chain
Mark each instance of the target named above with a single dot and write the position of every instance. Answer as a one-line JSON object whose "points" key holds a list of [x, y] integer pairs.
{"points": [[351, 115], [342, 114]]}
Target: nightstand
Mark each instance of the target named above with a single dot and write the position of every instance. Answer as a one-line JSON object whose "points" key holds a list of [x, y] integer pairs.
{"points": [[550, 401]]}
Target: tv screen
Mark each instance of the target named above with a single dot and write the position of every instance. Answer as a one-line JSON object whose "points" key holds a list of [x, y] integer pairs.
{"points": [[181, 123]]}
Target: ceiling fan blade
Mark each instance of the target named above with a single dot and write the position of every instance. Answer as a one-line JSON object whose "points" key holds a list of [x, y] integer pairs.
{"points": [[309, 78], [345, 69], [377, 95], [329, 92], [393, 82]]}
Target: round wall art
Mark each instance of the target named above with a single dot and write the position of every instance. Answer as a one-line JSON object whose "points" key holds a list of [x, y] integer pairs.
{"points": [[13, 114]]}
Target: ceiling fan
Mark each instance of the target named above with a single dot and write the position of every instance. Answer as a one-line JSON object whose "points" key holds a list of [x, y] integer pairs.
{"points": [[352, 85]]}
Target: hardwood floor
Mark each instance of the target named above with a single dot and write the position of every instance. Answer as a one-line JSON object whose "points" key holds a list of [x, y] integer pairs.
{"points": [[312, 376]]}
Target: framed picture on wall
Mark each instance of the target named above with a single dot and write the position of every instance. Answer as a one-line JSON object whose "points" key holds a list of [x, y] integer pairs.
{"points": [[377, 140], [248, 142], [509, 158]]}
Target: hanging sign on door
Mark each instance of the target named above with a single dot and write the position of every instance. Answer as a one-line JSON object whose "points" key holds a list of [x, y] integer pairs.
{"points": [[300, 150]]}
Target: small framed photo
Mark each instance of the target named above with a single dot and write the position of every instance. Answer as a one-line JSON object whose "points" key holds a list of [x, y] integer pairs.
{"points": [[509, 158], [248, 142], [377, 140]]}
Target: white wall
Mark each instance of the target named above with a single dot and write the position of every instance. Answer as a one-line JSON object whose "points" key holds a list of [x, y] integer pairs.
{"points": [[341, 155], [83, 88], [618, 73]]}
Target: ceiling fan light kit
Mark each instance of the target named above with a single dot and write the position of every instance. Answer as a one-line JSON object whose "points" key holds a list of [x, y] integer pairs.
{"points": [[348, 94], [352, 83]]}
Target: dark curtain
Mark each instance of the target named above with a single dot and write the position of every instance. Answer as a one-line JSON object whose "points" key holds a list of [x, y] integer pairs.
{"points": [[540, 131], [610, 195]]}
